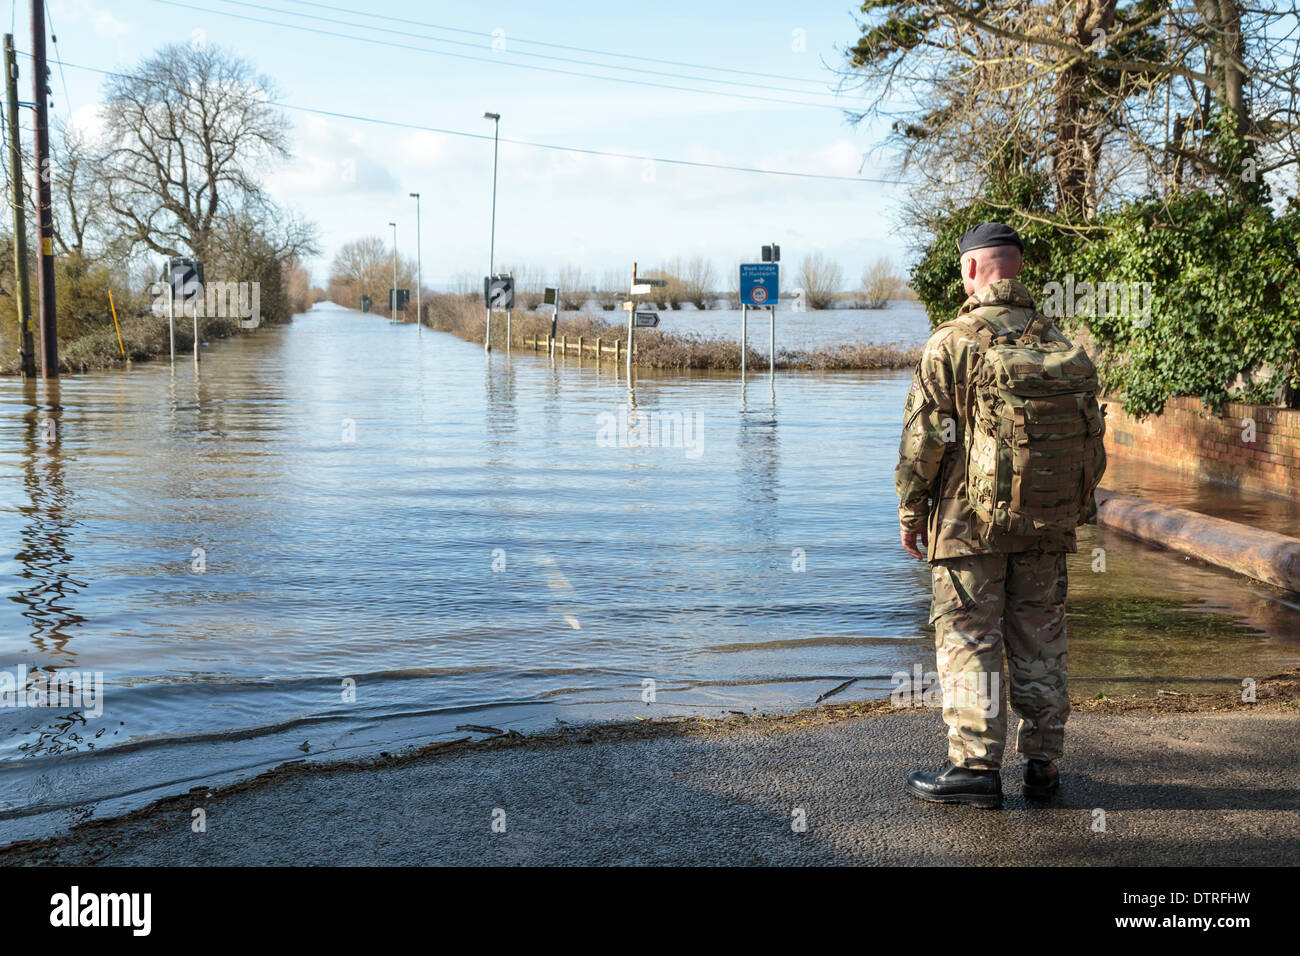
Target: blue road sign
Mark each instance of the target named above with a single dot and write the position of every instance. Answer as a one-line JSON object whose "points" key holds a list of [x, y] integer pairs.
{"points": [[760, 283]]}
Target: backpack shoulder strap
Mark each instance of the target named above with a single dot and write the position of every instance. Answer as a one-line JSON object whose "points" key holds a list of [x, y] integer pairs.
{"points": [[985, 334], [1038, 326], [985, 331]]}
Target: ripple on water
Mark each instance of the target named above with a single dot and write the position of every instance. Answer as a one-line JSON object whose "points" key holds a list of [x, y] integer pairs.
{"points": [[340, 501]]}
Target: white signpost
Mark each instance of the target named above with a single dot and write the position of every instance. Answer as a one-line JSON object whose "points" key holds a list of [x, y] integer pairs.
{"points": [[551, 297], [499, 296], [640, 286]]}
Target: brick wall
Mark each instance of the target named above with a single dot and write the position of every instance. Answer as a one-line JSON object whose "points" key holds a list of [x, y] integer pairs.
{"points": [[1187, 437]]}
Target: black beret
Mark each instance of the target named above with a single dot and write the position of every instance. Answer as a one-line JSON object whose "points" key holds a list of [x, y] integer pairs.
{"points": [[989, 234]]}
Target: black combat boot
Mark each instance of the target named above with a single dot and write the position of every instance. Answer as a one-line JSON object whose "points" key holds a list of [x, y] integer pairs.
{"points": [[949, 784], [1041, 779]]}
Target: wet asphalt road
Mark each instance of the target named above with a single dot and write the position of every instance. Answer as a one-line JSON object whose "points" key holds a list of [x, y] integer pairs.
{"points": [[1182, 789]]}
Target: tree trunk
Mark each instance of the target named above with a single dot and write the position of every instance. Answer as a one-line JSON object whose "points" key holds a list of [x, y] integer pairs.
{"points": [[1222, 20], [1074, 149]]}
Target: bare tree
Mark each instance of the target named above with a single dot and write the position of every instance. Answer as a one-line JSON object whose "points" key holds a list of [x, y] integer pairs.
{"points": [[733, 286], [668, 295], [361, 267], [1107, 102], [188, 130], [466, 283], [613, 290], [245, 246], [697, 282], [79, 191], [573, 289], [298, 287], [530, 284], [820, 278], [880, 283]]}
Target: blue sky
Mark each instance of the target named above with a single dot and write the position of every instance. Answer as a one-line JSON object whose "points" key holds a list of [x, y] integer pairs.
{"points": [[553, 208]]}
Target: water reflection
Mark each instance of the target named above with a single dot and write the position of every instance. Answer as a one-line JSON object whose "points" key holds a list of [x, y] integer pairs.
{"points": [[758, 442], [502, 408], [375, 558], [45, 555]]}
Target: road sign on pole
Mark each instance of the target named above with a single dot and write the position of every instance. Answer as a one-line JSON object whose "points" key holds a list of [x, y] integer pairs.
{"points": [[184, 278], [646, 320], [760, 284], [499, 292], [551, 297]]}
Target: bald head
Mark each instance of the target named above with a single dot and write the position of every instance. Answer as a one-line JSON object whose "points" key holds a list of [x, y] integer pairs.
{"points": [[980, 267]]}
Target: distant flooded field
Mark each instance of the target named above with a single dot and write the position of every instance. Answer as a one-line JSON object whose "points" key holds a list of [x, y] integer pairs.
{"points": [[901, 324]]}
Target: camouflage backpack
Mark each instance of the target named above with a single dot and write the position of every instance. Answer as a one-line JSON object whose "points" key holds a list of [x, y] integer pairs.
{"points": [[1034, 452]]}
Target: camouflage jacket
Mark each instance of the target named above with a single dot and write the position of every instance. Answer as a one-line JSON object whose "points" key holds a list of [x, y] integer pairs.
{"points": [[931, 475]]}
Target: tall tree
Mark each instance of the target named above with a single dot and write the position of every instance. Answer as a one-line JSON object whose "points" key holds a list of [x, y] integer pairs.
{"points": [[1108, 99], [821, 278], [188, 131], [365, 267]]}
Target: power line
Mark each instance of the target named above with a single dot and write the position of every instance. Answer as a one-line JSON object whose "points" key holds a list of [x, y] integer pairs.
{"points": [[357, 117], [597, 152], [558, 46], [496, 61], [479, 46], [67, 98]]}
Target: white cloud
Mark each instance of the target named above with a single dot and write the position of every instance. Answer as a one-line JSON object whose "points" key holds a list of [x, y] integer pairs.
{"points": [[109, 26], [100, 19]]}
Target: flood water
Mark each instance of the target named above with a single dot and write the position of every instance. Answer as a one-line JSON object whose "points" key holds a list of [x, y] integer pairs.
{"points": [[347, 537]]}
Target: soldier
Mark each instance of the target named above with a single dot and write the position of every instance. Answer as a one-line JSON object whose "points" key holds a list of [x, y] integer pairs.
{"points": [[989, 583]]}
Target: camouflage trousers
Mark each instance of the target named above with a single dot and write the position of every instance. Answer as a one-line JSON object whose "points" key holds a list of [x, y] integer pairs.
{"points": [[980, 600]]}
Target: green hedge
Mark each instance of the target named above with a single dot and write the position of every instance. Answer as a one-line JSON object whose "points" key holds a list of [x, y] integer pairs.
{"points": [[1224, 278]]}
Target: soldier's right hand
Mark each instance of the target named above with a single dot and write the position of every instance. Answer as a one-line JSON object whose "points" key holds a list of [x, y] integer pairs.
{"points": [[910, 539]]}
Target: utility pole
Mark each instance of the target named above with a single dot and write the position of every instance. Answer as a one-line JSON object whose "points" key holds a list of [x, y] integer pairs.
{"points": [[26, 347], [44, 212], [492, 241], [419, 320]]}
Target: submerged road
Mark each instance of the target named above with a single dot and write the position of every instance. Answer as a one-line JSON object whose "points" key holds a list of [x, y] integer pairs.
{"points": [[1175, 788]]}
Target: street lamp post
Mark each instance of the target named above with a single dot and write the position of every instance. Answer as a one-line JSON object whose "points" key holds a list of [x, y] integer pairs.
{"points": [[392, 303], [419, 316], [492, 241]]}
